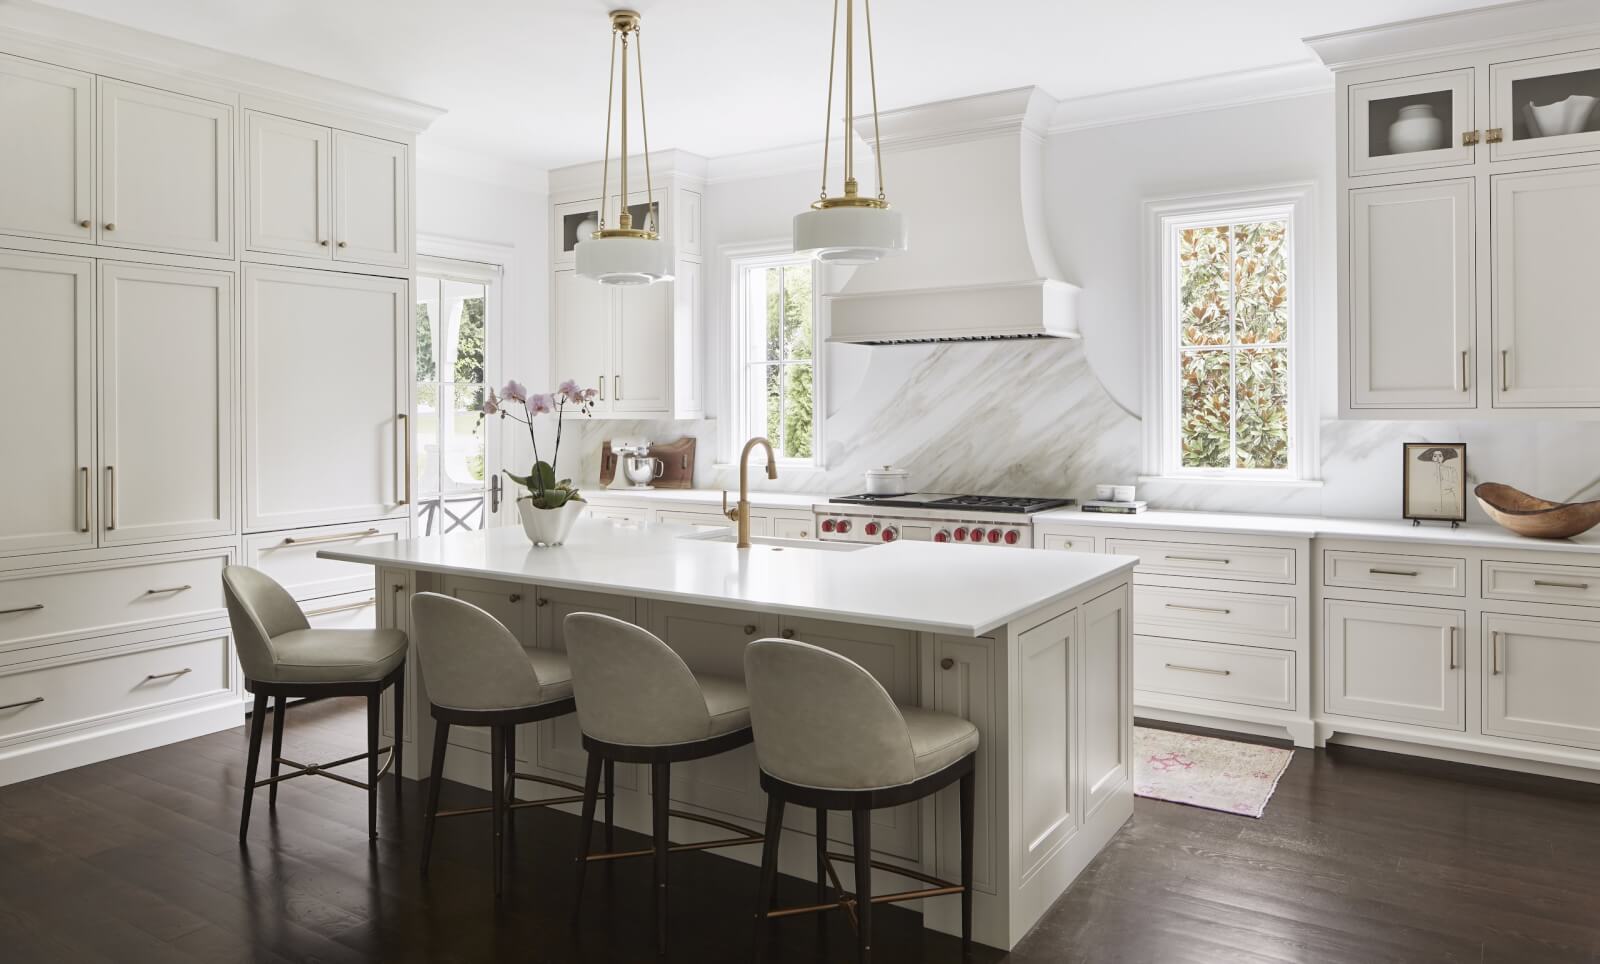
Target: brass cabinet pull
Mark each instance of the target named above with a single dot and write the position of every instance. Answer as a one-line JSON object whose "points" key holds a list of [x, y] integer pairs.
{"points": [[170, 589], [1493, 135], [344, 244], [12, 706], [85, 471], [86, 223], [348, 607], [1505, 369], [22, 609], [1494, 653], [749, 629], [1581, 586], [1394, 572], [1469, 138], [1199, 669], [323, 242], [1464, 384], [788, 634], [602, 388], [404, 482], [172, 675], [541, 602], [616, 387], [1453, 631], [338, 537], [494, 493], [110, 226], [399, 587], [1199, 609], [515, 597], [111, 497], [1218, 560], [947, 663]]}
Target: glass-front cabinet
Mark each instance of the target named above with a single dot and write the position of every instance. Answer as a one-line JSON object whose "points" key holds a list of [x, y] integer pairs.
{"points": [[1412, 123], [1544, 106]]}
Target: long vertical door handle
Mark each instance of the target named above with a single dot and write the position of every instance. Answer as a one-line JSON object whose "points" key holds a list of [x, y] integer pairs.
{"points": [[1453, 631], [85, 472], [1465, 386], [402, 483], [602, 388], [1494, 653], [494, 493], [1505, 369], [616, 387], [111, 497]]}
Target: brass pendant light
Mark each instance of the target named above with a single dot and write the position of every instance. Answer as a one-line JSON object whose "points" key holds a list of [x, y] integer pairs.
{"points": [[624, 254], [850, 228]]}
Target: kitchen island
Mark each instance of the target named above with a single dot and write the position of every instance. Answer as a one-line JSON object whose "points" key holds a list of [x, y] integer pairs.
{"points": [[1032, 647]]}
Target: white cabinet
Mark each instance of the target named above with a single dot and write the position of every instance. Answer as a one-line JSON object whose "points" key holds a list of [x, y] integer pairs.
{"points": [[1401, 664], [326, 369], [624, 341], [642, 383], [558, 743], [287, 186], [1442, 99], [166, 402], [794, 526], [1546, 320], [1537, 104], [1539, 680], [964, 684], [585, 312], [1411, 296], [46, 151], [166, 171], [371, 209], [47, 389]]}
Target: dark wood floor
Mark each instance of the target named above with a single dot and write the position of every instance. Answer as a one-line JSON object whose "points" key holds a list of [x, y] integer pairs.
{"points": [[1362, 857]]}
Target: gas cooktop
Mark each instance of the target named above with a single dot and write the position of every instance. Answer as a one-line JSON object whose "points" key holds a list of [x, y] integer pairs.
{"points": [[979, 503]]}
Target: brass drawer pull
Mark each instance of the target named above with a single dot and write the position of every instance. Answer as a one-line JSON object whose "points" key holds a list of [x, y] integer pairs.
{"points": [[22, 609], [12, 706], [1464, 384], [515, 597], [403, 483], [1581, 586], [1394, 572], [602, 388], [947, 663], [1200, 609], [541, 602], [1214, 559], [788, 634], [749, 629], [1494, 653], [1505, 369], [348, 607], [172, 675], [616, 387], [111, 497], [169, 589], [1453, 633], [1199, 669], [85, 471], [340, 537]]}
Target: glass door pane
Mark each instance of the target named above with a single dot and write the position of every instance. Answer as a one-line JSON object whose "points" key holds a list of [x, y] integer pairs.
{"points": [[452, 334], [1411, 123], [1549, 105]]}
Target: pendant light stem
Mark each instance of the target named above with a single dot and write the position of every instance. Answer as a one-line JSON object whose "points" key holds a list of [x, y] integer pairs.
{"points": [[849, 97], [625, 219], [872, 75], [605, 159], [827, 123], [652, 221]]}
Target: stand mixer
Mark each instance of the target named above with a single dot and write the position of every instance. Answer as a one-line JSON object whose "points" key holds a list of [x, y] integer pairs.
{"points": [[639, 468]]}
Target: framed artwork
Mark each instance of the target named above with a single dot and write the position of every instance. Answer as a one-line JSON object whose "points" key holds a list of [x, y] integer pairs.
{"points": [[1435, 486]]}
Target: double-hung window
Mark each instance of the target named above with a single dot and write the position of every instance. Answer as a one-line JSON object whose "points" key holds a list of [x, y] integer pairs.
{"points": [[775, 351]]}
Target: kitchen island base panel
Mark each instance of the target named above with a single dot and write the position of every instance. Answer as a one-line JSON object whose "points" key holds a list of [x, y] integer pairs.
{"points": [[1049, 799]]}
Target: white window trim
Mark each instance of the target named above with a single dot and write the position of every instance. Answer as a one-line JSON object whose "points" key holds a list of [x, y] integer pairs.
{"points": [[739, 259], [1297, 202]]}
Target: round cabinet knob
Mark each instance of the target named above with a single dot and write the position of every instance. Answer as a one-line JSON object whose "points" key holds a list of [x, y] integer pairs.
{"points": [[844, 525], [889, 535], [343, 244], [85, 224], [872, 528], [1012, 537], [788, 634], [323, 243], [516, 597], [541, 601], [947, 663], [994, 535], [943, 535], [961, 533], [977, 535], [110, 227], [827, 525], [749, 629]]}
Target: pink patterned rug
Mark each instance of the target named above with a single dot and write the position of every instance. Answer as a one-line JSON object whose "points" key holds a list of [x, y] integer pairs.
{"points": [[1202, 771]]}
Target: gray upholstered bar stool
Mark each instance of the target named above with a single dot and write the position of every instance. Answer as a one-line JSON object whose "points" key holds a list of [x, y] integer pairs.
{"points": [[283, 657], [478, 674], [638, 702], [829, 736]]}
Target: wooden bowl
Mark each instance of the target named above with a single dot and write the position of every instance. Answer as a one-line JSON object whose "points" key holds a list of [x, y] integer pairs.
{"points": [[1537, 518]]}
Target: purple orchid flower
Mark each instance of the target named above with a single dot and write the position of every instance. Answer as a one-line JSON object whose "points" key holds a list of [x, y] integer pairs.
{"points": [[539, 404], [491, 404], [514, 391]]}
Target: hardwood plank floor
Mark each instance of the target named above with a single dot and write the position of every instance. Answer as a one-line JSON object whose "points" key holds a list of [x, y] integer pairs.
{"points": [[1361, 857]]}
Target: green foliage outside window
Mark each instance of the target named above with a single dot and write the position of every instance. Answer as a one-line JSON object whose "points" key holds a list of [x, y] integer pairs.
{"points": [[787, 361]]}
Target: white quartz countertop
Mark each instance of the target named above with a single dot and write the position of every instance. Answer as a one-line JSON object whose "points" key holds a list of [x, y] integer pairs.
{"points": [[918, 586], [622, 492]]}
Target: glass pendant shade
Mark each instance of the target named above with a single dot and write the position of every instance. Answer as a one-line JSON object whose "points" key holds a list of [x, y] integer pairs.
{"points": [[849, 235], [624, 261]]}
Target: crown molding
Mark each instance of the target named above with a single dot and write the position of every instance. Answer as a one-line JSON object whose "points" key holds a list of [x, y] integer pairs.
{"points": [[1449, 33], [95, 45], [1018, 111], [578, 180], [1217, 92]]}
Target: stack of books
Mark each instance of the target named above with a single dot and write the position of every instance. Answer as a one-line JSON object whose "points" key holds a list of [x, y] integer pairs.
{"points": [[1117, 508]]}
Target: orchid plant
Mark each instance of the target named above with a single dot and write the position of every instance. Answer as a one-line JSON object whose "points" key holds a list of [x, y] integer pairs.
{"points": [[544, 491]]}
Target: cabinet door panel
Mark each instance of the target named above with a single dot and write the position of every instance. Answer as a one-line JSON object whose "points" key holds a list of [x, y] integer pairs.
{"points": [[1566, 121], [964, 684], [1395, 663], [1539, 679], [1411, 296], [166, 171], [1385, 117], [584, 315], [286, 185], [642, 382], [1546, 320], [47, 391], [371, 198], [1106, 652], [558, 743], [166, 412], [46, 151], [326, 368]]}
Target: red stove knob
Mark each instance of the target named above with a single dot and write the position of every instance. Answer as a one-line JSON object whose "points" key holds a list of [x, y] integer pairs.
{"points": [[872, 528], [1012, 537], [943, 535], [827, 525], [889, 534], [844, 525], [994, 535], [961, 533], [977, 535]]}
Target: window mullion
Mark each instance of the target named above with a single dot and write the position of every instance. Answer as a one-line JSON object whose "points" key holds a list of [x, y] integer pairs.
{"points": [[1233, 353]]}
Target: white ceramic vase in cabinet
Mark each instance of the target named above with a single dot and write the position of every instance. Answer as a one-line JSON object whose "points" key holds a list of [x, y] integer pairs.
{"points": [[47, 163], [327, 397], [166, 171], [166, 438], [1401, 664], [47, 387]]}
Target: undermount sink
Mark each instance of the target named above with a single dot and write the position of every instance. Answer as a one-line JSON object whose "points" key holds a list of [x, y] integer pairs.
{"points": [[772, 542]]}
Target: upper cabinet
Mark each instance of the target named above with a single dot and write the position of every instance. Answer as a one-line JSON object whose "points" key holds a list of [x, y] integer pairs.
{"points": [[46, 151], [1469, 221], [314, 192], [166, 171]]}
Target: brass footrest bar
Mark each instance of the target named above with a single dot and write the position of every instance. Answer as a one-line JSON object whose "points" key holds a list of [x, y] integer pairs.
{"points": [[847, 901], [321, 770], [745, 837], [515, 804]]}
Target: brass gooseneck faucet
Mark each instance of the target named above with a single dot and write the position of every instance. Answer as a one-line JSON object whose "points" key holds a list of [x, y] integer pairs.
{"points": [[741, 512]]}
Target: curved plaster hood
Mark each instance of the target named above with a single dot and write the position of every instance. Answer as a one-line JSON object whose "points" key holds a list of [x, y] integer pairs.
{"points": [[968, 174]]}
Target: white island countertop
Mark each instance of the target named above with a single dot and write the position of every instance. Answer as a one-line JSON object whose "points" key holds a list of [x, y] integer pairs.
{"points": [[905, 585]]}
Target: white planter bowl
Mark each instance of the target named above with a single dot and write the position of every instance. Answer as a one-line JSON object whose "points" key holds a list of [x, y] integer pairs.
{"points": [[548, 527], [1418, 129]]}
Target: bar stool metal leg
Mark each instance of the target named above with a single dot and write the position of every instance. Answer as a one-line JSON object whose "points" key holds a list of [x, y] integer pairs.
{"points": [[591, 787], [863, 848], [278, 706], [497, 801], [441, 736], [968, 801], [258, 720], [398, 694], [769, 872], [660, 786], [611, 795], [372, 764], [822, 858]]}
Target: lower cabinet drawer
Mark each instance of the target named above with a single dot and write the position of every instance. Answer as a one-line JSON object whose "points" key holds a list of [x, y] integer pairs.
{"points": [[39, 605], [106, 683], [1214, 671], [1541, 583], [291, 557], [1215, 616], [1064, 541], [1380, 570], [794, 527], [1250, 563], [618, 513]]}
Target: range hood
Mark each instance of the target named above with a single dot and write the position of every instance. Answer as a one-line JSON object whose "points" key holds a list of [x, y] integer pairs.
{"points": [[969, 175]]}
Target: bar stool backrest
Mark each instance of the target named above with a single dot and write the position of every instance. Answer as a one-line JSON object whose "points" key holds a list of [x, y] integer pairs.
{"points": [[259, 609], [631, 688], [821, 720], [469, 660]]}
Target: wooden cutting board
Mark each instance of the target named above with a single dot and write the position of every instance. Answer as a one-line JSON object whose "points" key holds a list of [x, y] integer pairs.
{"points": [[608, 464]]}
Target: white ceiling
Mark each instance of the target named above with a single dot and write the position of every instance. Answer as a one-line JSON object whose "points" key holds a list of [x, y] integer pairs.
{"points": [[524, 80]]}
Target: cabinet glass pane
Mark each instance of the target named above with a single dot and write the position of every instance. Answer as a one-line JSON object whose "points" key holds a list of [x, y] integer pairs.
{"points": [[1555, 105], [463, 439], [427, 453], [1409, 123], [427, 324]]}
